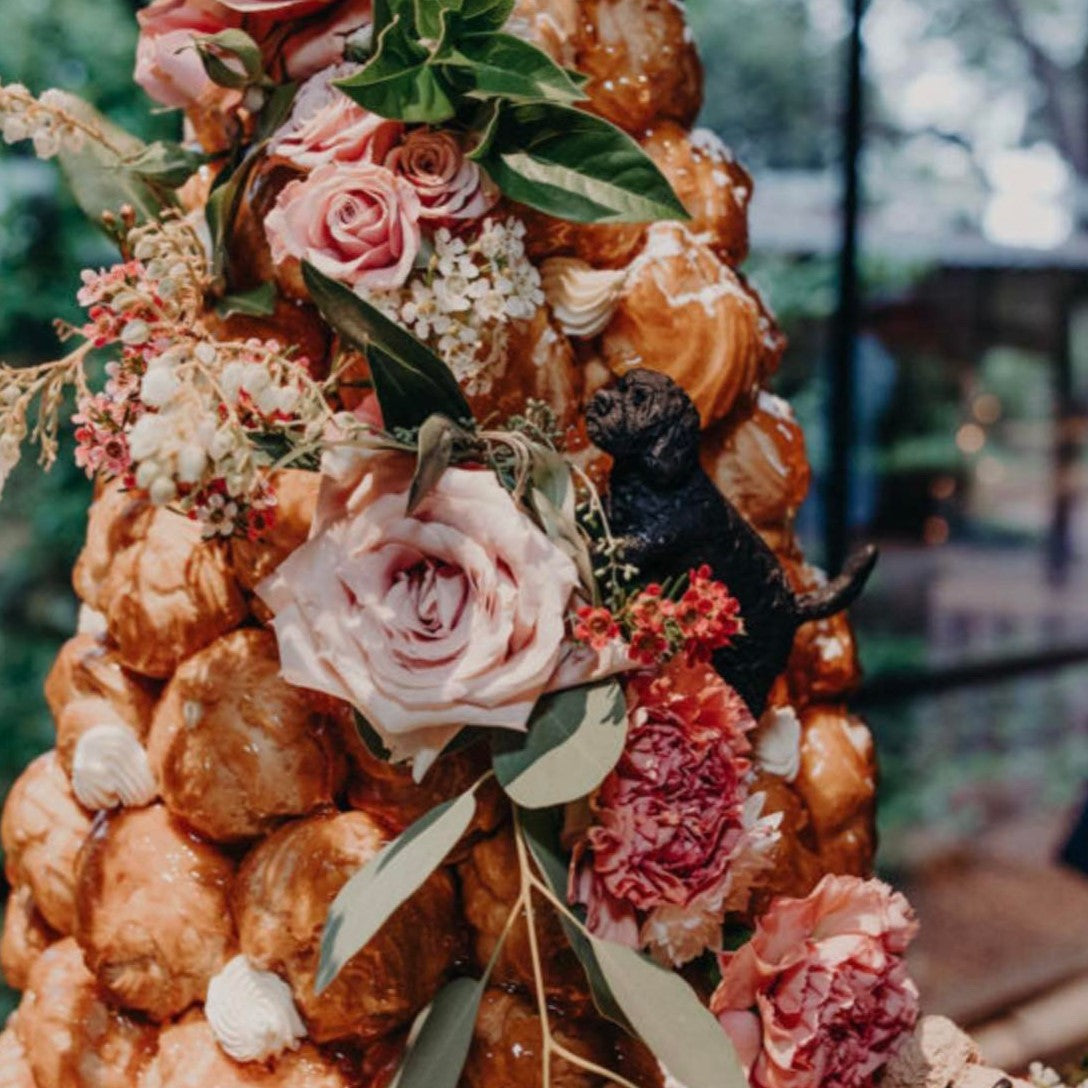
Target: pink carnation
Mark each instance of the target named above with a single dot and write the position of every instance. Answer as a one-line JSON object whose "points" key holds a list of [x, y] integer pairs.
{"points": [[326, 126], [450, 186], [671, 816], [826, 979], [358, 224]]}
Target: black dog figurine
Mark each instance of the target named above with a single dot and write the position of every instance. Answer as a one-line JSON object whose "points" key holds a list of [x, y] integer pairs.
{"points": [[670, 518]]}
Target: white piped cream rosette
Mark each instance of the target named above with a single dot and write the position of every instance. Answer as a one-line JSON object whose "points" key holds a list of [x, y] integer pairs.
{"points": [[110, 768], [252, 1013]]}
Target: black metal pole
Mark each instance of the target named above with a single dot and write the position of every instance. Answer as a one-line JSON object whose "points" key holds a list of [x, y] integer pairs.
{"points": [[841, 422]]}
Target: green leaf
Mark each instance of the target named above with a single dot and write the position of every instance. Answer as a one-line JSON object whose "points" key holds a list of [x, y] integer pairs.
{"points": [[166, 163], [575, 739], [502, 66], [411, 382], [276, 109], [371, 740], [221, 73], [576, 166], [260, 302], [443, 1037], [562, 529], [222, 209], [99, 178], [372, 896], [484, 15], [237, 44], [541, 830], [401, 81], [437, 442], [431, 16], [668, 1016]]}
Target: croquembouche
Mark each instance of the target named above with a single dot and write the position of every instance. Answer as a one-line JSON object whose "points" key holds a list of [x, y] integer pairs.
{"points": [[452, 703]]}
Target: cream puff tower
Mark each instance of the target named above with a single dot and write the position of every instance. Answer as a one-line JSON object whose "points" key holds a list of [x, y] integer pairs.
{"points": [[173, 858]]}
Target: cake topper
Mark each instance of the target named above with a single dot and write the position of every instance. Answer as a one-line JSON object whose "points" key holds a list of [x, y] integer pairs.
{"points": [[670, 518]]}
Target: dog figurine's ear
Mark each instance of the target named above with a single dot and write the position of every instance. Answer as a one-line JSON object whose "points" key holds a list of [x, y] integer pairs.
{"points": [[674, 451]]}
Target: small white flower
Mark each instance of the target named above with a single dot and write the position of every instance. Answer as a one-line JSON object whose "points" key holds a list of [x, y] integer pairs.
{"points": [[231, 381], [255, 379], [192, 460], [205, 353], [135, 332], [145, 438], [162, 491], [158, 386]]}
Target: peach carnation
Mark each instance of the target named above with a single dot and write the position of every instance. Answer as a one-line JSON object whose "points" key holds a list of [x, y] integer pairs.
{"points": [[670, 819], [820, 996], [429, 622], [356, 223]]}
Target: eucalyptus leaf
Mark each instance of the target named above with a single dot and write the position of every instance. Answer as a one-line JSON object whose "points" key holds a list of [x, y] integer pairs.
{"points": [[575, 739], [437, 441], [166, 163], [502, 66], [260, 302], [668, 1016], [562, 529], [411, 382], [99, 178], [401, 80], [576, 166], [371, 897], [552, 477], [443, 1037], [541, 829]]}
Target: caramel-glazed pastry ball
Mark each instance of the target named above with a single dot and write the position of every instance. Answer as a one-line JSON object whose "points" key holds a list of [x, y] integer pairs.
{"points": [[43, 831], [795, 867], [235, 748], [507, 1048], [685, 313], [88, 686], [760, 464], [388, 794], [72, 1037], [168, 595], [281, 900], [296, 500], [714, 188], [824, 666], [601, 245], [552, 25], [641, 61], [489, 888], [116, 521], [838, 784], [26, 936], [154, 916], [15, 1069], [189, 1057]]}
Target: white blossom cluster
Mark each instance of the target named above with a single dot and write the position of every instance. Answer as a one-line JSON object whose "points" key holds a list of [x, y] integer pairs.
{"points": [[44, 121], [462, 300]]}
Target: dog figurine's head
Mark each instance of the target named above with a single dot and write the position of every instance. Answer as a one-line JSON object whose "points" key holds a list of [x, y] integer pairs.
{"points": [[646, 419]]}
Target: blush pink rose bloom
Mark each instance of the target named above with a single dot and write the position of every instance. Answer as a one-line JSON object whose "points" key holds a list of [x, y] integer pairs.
{"points": [[326, 126], [358, 223], [167, 67], [452, 616], [820, 996], [670, 819], [301, 37], [450, 186]]}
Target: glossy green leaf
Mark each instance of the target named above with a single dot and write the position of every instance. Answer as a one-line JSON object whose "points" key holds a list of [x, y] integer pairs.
{"points": [[401, 81], [485, 15], [236, 44], [576, 166], [443, 1037], [411, 382], [431, 16], [99, 178], [575, 739], [502, 66], [277, 109], [541, 829], [222, 209], [372, 896], [260, 302], [669, 1018]]}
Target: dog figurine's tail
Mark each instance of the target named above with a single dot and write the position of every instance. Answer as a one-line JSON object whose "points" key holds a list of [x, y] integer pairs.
{"points": [[831, 599]]}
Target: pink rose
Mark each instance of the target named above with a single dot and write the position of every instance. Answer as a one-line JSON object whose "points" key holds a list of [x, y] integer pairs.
{"points": [[167, 66], [356, 223], [449, 185], [326, 126], [450, 617], [826, 979], [301, 37], [670, 818]]}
